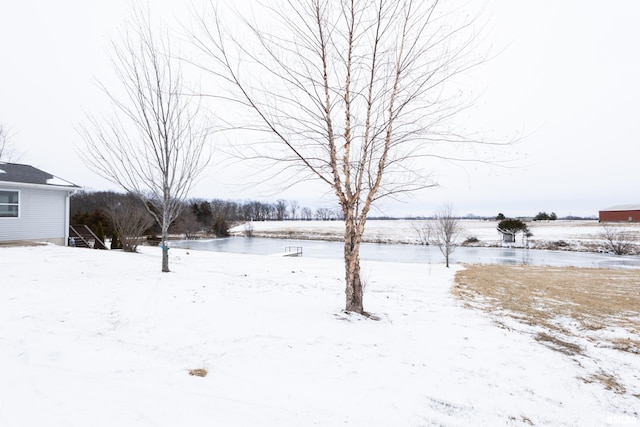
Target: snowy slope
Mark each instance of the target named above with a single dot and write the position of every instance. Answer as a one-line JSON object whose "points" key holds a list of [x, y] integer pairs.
{"points": [[102, 338]]}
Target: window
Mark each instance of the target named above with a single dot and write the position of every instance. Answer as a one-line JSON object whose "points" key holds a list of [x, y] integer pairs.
{"points": [[9, 204]]}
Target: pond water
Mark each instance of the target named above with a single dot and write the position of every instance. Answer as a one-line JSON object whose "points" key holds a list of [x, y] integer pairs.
{"points": [[412, 253]]}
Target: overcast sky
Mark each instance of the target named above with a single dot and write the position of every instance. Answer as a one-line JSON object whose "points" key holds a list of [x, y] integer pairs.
{"points": [[566, 78]]}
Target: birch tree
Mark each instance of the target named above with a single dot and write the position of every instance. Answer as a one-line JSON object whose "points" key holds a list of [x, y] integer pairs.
{"points": [[154, 143], [348, 92]]}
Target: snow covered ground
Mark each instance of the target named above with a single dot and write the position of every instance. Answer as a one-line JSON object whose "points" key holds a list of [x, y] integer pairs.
{"points": [[102, 338], [578, 235]]}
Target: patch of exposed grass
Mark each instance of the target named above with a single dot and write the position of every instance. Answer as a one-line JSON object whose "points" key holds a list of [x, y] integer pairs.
{"points": [[558, 344], [609, 381], [594, 298], [198, 372], [568, 304]]}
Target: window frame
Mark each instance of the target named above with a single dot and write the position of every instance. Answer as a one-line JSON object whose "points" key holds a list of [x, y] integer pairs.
{"points": [[12, 204]]}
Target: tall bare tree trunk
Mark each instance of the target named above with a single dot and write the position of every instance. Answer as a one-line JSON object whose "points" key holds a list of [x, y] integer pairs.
{"points": [[353, 289], [165, 249]]}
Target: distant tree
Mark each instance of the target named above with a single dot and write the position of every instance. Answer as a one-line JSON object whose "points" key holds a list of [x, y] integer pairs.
{"points": [[281, 210], [445, 230], [87, 208], [100, 235], [500, 217], [293, 207], [543, 216], [220, 208], [4, 142], [221, 227], [616, 239], [7, 150], [323, 214], [514, 226], [187, 223], [202, 210], [154, 145], [306, 214]]}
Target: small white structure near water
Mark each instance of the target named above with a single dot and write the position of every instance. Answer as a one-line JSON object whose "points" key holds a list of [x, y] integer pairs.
{"points": [[34, 205], [507, 236]]}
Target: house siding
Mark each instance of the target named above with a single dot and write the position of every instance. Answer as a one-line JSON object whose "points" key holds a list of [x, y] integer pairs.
{"points": [[42, 216]]}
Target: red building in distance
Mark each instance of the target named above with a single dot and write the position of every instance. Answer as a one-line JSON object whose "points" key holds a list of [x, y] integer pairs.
{"points": [[620, 213]]}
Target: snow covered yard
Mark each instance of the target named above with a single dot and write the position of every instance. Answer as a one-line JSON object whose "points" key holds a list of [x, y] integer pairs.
{"points": [[102, 338]]}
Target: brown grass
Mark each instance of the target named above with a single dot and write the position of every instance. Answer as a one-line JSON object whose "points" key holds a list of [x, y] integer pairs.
{"points": [[198, 372], [550, 298], [595, 298]]}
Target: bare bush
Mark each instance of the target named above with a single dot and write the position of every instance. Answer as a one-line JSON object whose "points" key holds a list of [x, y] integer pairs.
{"points": [[129, 219], [187, 224], [423, 230], [616, 239]]}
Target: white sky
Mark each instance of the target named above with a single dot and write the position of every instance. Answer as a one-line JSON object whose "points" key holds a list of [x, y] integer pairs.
{"points": [[567, 78]]}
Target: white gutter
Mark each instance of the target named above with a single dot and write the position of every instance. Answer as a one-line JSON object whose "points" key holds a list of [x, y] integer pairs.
{"points": [[73, 188]]}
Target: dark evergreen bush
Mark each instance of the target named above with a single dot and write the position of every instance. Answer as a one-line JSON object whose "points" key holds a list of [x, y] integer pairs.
{"points": [[221, 227], [115, 241], [100, 235]]}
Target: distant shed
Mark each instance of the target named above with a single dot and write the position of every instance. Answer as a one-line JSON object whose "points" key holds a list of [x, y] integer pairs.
{"points": [[620, 213]]}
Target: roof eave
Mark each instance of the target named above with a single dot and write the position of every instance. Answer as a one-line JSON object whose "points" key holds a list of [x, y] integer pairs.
{"points": [[71, 187]]}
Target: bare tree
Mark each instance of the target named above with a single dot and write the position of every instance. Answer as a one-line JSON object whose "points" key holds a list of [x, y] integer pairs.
{"points": [[348, 92], [154, 145], [306, 213], [280, 209], [445, 230], [187, 224], [293, 207], [323, 214], [616, 239], [7, 151], [129, 218], [3, 142]]}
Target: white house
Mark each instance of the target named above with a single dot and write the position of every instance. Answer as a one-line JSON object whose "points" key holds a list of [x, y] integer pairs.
{"points": [[34, 205]]}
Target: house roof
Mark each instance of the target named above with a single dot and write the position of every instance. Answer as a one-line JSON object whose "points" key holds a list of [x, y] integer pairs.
{"points": [[25, 174], [630, 207]]}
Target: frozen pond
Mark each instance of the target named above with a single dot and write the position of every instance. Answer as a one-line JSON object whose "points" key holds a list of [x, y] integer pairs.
{"points": [[413, 253]]}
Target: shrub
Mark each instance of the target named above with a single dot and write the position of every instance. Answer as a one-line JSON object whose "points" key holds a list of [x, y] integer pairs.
{"points": [[115, 241], [470, 241], [221, 227]]}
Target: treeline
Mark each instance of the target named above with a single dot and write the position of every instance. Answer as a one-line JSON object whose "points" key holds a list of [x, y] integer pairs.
{"points": [[214, 216]]}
